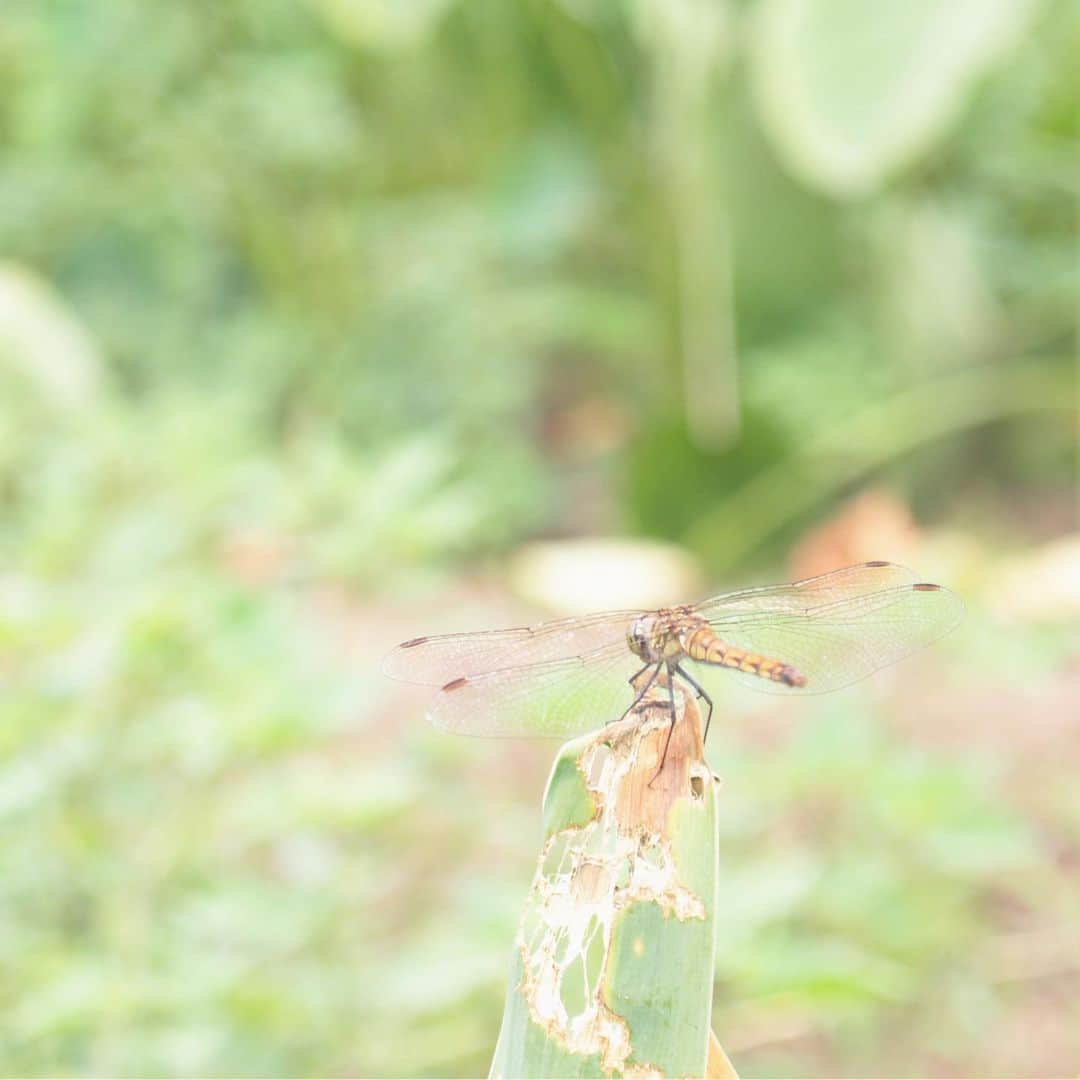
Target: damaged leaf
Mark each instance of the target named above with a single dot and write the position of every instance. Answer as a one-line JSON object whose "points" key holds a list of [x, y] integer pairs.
{"points": [[612, 970]]}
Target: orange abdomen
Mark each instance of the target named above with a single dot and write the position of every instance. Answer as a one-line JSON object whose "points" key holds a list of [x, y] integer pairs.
{"points": [[704, 646]]}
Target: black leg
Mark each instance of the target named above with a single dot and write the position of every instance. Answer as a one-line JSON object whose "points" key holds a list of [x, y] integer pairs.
{"points": [[644, 691], [701, 694], [671, 726]]}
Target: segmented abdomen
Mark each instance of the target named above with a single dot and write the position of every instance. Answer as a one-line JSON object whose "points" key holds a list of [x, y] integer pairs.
{"points": [[704, 646]]}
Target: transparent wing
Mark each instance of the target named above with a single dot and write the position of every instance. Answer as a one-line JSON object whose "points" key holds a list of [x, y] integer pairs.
{"points": [[852, 581], [555, 699], [835, 642], [435, 661]]}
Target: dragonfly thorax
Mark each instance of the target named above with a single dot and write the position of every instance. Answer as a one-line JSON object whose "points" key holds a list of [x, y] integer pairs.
{"points": [[655, 638]]}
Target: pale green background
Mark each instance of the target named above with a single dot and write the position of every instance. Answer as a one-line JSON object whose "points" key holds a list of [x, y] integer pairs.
{"points": [[312, 313]]}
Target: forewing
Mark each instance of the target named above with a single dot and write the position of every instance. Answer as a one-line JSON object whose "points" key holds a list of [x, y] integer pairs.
{"points": [[555, 699], [836, 642], [435, 661], [850, 582]]}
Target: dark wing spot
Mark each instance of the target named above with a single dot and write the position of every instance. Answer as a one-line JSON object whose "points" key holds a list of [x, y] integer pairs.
{"points": [[414, 641], [876, 562], [456, 684], [925, 586]]}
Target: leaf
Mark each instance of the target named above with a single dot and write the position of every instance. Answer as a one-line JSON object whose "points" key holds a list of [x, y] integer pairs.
{"points": [[850, 92], [41, 335], [383, 24], [613, 965]]}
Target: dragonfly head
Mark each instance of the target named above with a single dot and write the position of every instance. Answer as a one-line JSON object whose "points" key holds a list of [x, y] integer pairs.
{"points": [[641, 638]]}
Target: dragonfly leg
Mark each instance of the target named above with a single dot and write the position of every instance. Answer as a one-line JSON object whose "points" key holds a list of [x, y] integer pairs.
{"points": [[701, 694], [644, 691], [671, 726]]}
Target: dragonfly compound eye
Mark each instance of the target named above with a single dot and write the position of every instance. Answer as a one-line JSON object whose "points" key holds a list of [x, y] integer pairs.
{"points": [[639, 639]]}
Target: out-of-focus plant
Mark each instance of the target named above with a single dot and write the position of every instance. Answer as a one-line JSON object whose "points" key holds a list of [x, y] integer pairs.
{"points": [[304, 306], [851, 95]]}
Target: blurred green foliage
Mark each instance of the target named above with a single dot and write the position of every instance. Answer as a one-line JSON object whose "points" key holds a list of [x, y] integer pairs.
{"points": [[310, 309], [463, 221]]}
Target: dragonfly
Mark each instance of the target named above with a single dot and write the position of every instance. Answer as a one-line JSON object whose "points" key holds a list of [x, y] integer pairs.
{"points": [[568, 676]]}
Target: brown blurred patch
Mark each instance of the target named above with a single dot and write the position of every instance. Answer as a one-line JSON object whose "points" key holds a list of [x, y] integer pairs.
{"points": [[582, 428], [256, 557], [876, 524]]}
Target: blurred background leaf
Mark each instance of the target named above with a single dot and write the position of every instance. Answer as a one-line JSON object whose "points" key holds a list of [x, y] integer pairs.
{"points": [[851, 93]]}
